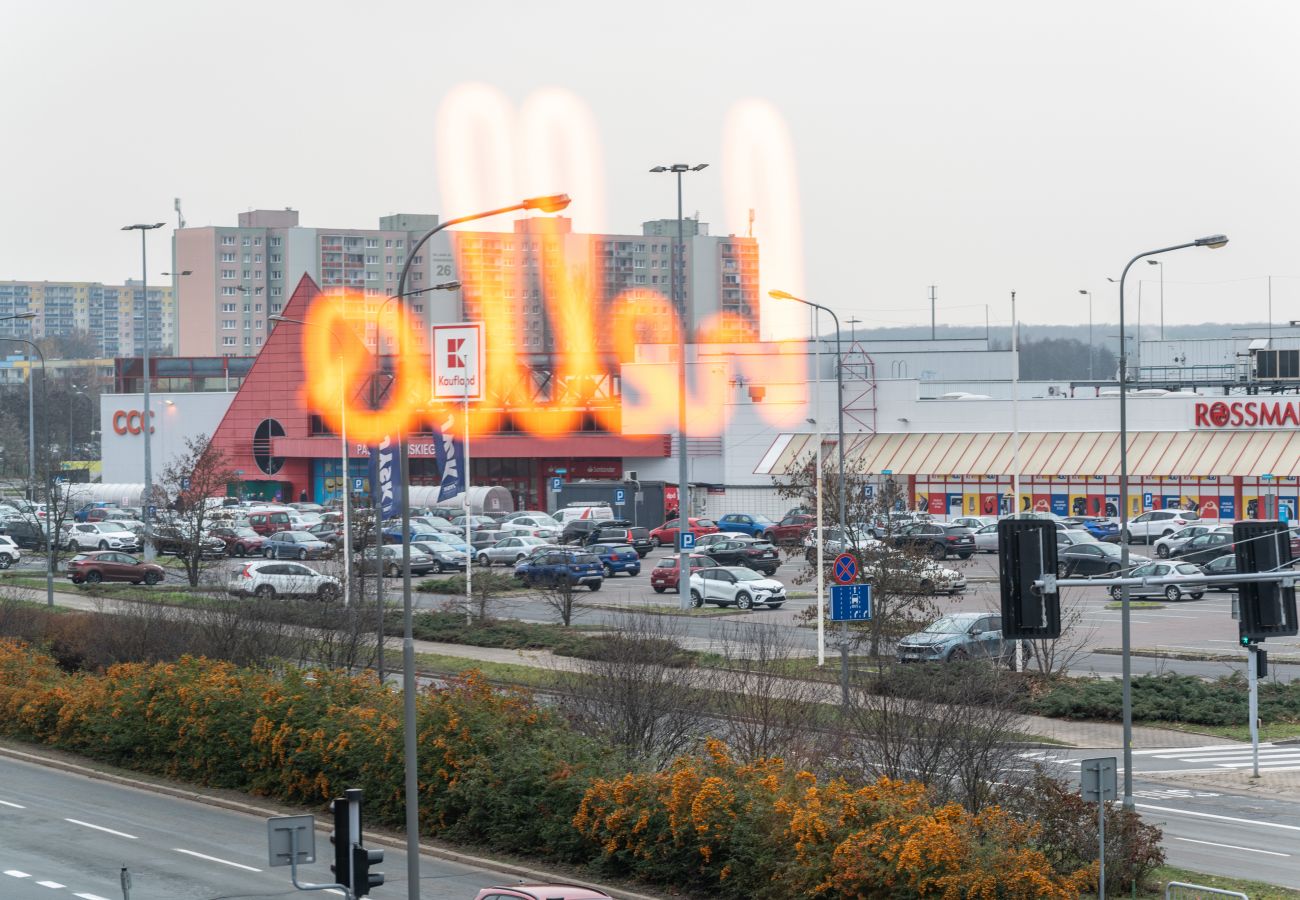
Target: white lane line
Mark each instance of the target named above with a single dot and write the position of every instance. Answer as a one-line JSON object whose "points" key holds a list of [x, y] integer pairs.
{"points": [[216, 859], [90, 897], [1204, 815], [14, 805], [51, 884], [1221, 757], [1191, 749], [14, 873], [1231, 847], [102, 828]]}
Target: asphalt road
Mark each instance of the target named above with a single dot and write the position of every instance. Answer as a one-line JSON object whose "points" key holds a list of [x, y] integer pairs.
{"points": [[66, 835]]}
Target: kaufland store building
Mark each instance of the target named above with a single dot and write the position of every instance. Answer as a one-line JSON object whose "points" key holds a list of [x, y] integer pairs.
{"points": [[1229, 455]]}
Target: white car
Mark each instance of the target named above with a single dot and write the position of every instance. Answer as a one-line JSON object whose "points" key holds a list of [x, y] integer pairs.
{"points": [[975, 523], [1159, 523], [98, 536], [986, 539], [837, 542], [735, 585], [912, 576], [276, 578], [9, 552], [717, 537], [533, 526], [1171, 544]]}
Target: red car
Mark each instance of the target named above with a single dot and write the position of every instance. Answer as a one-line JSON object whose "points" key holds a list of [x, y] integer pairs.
{"points": [[792, 529], [663, 577], [666, 534], [110, 565], [239, 540]]}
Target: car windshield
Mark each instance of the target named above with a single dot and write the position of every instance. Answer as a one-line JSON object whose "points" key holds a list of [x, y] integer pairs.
{"points": [[949, 625], [747, 575], [585, 558]]}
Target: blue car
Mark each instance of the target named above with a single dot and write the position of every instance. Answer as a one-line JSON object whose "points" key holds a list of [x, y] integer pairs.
{"points": [[1099, 528], [555, 567], [615, 558], [754, 525]]}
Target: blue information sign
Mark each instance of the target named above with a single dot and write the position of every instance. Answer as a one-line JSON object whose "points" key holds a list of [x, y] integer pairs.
{"points": [[850, 602], [1147, 502], [619, 496], [358, 484], [556, 483], [185, 482], [687, 540]]}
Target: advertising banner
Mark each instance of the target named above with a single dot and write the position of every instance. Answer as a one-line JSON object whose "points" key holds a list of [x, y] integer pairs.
{"points": [[384, 478], [451, 459]]}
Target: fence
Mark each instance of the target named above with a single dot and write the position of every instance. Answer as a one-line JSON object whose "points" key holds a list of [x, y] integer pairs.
{"points": [[1181, 890]]}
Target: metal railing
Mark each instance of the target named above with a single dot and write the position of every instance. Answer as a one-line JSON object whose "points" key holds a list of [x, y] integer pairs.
{"points": [[1197, 891]]}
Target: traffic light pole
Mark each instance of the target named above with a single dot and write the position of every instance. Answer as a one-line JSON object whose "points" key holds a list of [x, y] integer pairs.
{"points": [[1252, 677]]}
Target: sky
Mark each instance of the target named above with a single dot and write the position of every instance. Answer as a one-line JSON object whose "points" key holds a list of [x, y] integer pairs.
{"points": [[981, 148]]}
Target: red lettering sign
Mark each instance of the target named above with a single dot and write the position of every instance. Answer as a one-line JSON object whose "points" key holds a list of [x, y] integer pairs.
{"points": [[131, 422], [1249, 413]]}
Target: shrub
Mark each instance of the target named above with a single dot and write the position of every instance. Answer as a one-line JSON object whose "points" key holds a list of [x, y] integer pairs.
{"points": [[492, 582]]}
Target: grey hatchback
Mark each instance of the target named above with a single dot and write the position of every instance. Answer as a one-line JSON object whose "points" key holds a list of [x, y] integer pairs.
{"points": [[955, 637]]}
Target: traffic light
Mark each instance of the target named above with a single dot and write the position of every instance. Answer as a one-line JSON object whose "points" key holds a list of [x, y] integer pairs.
{"points": [[341, 838], [1261, 663], [1027, 552], [362, 878], [1267, 607]]}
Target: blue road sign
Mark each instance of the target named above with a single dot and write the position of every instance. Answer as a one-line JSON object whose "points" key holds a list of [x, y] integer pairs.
{"points": [[1147, 502], [850, 602], [556, 483], [153, 512], [619, 496], [185, 483], [686, 540], [845, 570], [358, 484], [868, 492]]}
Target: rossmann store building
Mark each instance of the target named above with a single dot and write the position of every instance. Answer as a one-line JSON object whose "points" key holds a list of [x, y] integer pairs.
{"points": [[1228, 457]]}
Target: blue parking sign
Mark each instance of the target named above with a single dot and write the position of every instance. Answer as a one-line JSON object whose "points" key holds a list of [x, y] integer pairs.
{"points": [[1148, 501], [687, 540], [851, 603], [556, 483], [358, 484], [619, 496]]}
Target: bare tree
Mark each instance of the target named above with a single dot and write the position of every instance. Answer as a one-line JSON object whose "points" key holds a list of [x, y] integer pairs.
{"points": [[565, 600], [1055, 657], [637, 691], [195, 478]]}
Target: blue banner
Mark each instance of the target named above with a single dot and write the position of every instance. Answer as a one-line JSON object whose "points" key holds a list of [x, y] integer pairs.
{"points": [[384, 482], [451, 459]]}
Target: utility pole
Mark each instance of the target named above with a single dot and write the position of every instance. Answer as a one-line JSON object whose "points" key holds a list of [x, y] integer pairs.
{"points": [[932, 298]]}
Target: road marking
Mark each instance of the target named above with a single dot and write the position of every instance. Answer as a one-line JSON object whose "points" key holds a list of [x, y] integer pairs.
{"points": [[102, 828], [1204, 815], [14, 873], [1231, 847], [216, 859], [90, 897], [14, 805], [1191, 749], [51, 884]]}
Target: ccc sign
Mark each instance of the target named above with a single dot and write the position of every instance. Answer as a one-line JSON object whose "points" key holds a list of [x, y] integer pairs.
{"points": [[131, 422]]}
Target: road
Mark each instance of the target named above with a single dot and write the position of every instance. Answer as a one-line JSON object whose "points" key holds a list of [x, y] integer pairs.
{"points": [[67, 835]]}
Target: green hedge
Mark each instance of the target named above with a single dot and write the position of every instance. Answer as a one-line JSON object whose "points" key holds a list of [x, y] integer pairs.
{"points": [[1169, 698]]}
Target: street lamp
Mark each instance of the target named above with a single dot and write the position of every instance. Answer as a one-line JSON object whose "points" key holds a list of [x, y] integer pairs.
{"points": [[1156, 262], [1213, 241], [1090, 354], [549, 204], [683, 327], [148, 432], [31, 477]]}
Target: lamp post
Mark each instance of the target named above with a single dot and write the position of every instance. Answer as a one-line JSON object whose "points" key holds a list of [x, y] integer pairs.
{"points": [[1213, 241], [549, 204], [1156, 262], [144, 230], [343, 462], [31, 430], [1090, 353], [684, 326]]}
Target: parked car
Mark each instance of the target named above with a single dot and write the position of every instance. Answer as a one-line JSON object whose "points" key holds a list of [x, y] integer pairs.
{"points": [[446, 558], [1100, 528], [1093, 558], [509, 550], [483, 538], [110, 565], [937, 541], [855, 539], [101, 510], [579, 531], [666, 534], [533, 526], [736, 586], [239, 540], [751, 524], [664, 575], [1187, 576], [906, 575], [282, 579], [594, 511], [1074, 538], [1223, 565], [421, 562], [986, 539], [267, 522], [1158, 523], [956, 637], [753, 553], [10, 552], [1171, 544], [974, 523], [562, 567], [295, 545], [637, 538], [27, 535], [1206, 547], [616, 558], [174, 540], [135, 526], [474, 522], [98, 536], [541, 892], [794, 527]]}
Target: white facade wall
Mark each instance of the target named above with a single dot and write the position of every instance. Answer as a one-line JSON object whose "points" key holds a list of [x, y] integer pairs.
{"points": [[187, 416]]}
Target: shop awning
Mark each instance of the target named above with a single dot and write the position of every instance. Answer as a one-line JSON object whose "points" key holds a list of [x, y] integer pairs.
{"points": [[1166, 453]]}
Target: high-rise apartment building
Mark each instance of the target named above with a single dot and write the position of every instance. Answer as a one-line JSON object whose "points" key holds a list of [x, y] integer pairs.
{"points": [[109, 316], [243, 274]]}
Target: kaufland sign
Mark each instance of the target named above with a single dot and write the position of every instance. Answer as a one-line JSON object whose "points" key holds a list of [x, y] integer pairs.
{"points": [[1246, 414], [458, 361]]}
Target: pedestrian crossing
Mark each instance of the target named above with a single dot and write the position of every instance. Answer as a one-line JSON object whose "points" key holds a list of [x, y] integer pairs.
{"points": [[1274, 757]]}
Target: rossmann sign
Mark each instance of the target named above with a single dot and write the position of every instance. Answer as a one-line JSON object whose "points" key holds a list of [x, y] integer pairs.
{"points": [[1247, 414]]}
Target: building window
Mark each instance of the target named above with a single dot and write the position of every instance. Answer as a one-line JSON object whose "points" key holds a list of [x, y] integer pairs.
{"points": [[388, 260], [247, 241], [258, 342], [274, 242], [417, 260], [257, 242], [248, 257], [228, 292], [372, 260], [257, 307], [228, 324], [228, 341], [419, 307], [248, 273], [227, 307], [257, 292], [275, 258], [372, 243], [401, 244], [257, 257], [275, 292], [257, 323], [227, 257], [248, 341], [227, 240], [277, 273], [388, 242], [227, 273]]}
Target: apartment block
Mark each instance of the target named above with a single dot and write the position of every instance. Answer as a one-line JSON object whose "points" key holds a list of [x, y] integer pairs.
{"points": [[110, 316]]}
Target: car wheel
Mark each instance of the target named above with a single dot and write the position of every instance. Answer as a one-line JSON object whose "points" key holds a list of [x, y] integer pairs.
{"points": [[937, 552], [594, 586], [152, 578], [72, 547], [1162, 551], [696, 600], [963, 556], [302, 554], [327, 592], [774, 606], [609, 570], [483, 560], [6, 561], [264, 591], [926, 586], [267, 553], [1116, 592], [1167, 533], [1112, 568], [767, 536], [744, 601], [519, 559], [93, 577], [437, 567], [658, 589], [658, 543], [958, 655], [1197, 596], [103, 545], [392, 570], [1173, 594], [1126, 537]]}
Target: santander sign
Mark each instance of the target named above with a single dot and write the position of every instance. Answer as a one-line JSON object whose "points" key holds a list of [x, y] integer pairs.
{"points": [[1247, 414]]}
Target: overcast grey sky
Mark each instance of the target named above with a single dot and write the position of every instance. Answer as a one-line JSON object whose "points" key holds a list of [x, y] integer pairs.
{"points": [[986, 147]]}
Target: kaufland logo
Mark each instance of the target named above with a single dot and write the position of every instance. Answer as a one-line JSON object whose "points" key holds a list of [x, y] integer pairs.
{"points": [[456, 353]]}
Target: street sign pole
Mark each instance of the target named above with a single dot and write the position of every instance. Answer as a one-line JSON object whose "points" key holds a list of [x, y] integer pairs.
{"points": [[1252, 675], [849, 602], [1097, 782]]}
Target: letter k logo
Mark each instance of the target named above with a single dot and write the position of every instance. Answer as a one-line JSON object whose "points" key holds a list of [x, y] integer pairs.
{"points": [[455, 354]]}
